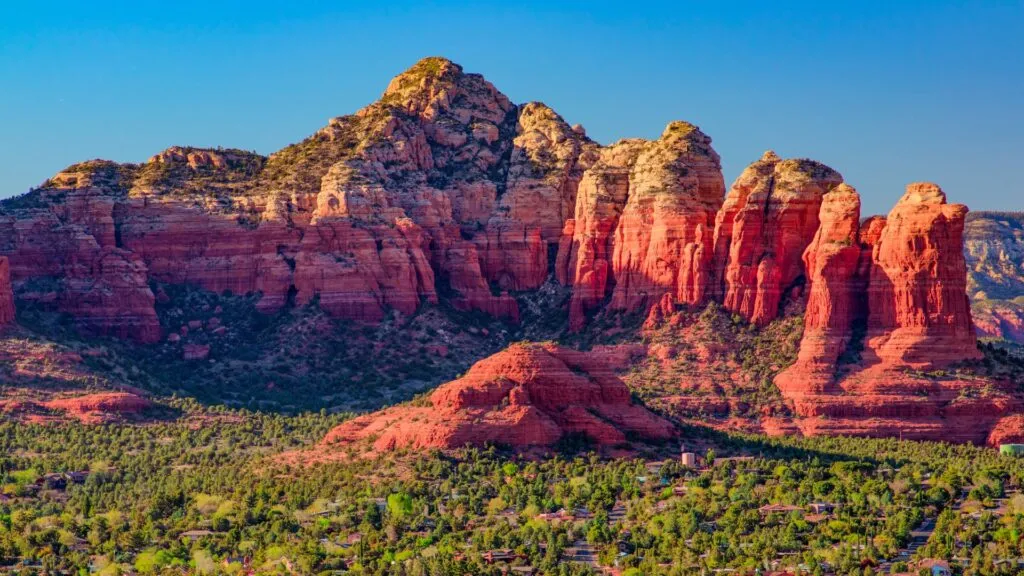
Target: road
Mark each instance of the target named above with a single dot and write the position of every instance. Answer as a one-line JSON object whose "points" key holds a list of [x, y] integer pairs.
{"points": [[919, 537]]}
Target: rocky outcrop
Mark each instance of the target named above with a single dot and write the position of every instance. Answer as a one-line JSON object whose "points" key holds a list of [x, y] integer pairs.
{"points": [[69, 258], [443, 186], [999, 319], [585, 257], [769, 218], [661, 243], [918, 309], [831, 264], [1008, 430], [917, 324], [94, 408], [443, 180], [525, 396], [6, 294], [100, 406], [994, 250]]}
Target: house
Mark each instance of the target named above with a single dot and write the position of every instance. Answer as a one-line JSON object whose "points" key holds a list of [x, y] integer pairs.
{"points": [[562, 515], [1011, 449], [822, 507], [937, 567], [734, 459], [245, 561], [688, 459], [778, 509], [52, 481], [500, 555], [77, 477], [196, 534]]}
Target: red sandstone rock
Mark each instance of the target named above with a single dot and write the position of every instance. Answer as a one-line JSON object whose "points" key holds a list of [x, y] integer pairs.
{"points": [[182, 243], [917, 320], [585, 258], [662, 240], [109, 403], [70, 239], [999, 319], [831, 264], [1008, 430], [446, 186], [527, 395], [919, 314], [110, 295], [766, 223], [6, 293]]}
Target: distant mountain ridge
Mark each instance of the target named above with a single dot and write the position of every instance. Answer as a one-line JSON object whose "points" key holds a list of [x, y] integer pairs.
{"points": [[994, 248]]}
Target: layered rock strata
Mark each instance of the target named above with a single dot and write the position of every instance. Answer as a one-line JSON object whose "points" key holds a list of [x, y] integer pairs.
{"points": [[525, 396], [915, 326]]}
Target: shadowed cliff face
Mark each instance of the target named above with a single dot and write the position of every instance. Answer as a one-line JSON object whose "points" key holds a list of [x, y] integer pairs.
{"points": [[444, 192]]}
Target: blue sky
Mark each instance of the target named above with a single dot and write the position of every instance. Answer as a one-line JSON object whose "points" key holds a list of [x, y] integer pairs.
{"points": [[885, 92]]}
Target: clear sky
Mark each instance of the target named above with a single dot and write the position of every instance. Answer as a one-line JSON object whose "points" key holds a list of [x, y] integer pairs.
{"points": [[885, 92]]}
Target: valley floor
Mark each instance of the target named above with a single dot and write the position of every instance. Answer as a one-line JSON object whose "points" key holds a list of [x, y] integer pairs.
{"points": [[206, 493]]}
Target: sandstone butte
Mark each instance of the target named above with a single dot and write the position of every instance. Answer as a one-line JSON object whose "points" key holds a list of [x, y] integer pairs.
{"points": [[445, 189], [914, 319], [527, 395]]}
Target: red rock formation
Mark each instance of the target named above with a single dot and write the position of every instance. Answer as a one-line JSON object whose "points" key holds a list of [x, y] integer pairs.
{"points": [[444, 186], [766, 223], [527, 395], [585, 258], [110, 295], [195, 351], [182, 243], [676, 187], [103, 403], [1008, 430], [6, 293], [442, 178], [1000, 319], [917, 320], [103, 288], [96, 408], [919, 314], [831, 264]]}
